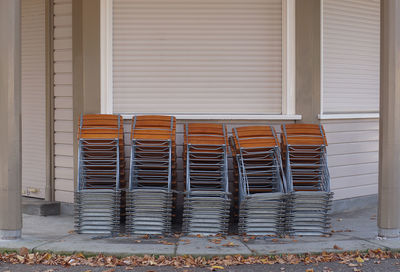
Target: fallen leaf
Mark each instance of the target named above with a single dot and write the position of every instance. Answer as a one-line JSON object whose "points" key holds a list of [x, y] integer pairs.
{"points": [[71, 232], [216, 241], [337, 247], [80, 255], [310, 270], [230, 244], [359, 259], [23, 251], [217, 267]]}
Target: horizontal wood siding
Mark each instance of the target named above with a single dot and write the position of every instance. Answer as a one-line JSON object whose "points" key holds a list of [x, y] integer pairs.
{"points": [[63, 123], [353, 156]]}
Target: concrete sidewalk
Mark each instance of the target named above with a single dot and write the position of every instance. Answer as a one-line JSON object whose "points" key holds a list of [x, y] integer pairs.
{"points": [[351, 231]]}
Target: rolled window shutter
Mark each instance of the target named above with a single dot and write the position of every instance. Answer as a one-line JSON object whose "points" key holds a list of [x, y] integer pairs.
{"points": [[190, 56], [33, 97], [351, 50]]}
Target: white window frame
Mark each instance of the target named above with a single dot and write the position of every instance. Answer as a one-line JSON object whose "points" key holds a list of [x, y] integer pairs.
{"points": [[288, 68], [334, 116]]}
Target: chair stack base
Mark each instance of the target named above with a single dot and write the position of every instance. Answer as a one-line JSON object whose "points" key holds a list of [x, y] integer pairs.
{"points": [[308, 213], [149, 211], [206, 213], [262, 214], [97, 211]]}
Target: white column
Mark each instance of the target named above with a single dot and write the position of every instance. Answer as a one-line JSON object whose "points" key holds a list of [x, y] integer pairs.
{"points": [[389, 143], [10, 120]]}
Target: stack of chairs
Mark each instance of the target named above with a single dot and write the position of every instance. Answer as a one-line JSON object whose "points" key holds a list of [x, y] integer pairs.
{"points": [[308, 181], [100, 174], [207, 197], [152, 175], [261, 180]]}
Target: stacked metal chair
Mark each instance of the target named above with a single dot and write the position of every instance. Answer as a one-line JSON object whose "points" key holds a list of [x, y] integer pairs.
{"points": [[308, 181], [207, 198], [261, 180], [100, 174], [152, 175]]}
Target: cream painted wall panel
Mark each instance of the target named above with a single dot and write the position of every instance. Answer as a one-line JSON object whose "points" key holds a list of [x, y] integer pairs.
{"points": [[353, 170], [63, 67], [33, 90], [351, 37], [353, 147], [63, 114], [63, 102], [64, 173], [63, 44], [197, 56], [63, 138], [350, 148], [346, 125], [64, 161], [63, 126], [63, 111], [351, 192], [355, 181], [64, 185], [355, 158], [65, 196], [64, 150], [62, 91]]}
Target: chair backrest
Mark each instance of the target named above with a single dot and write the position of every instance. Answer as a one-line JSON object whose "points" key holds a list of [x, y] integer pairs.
{"points": [[254, 137], [101, 126], [205, 134], [303, 134], [153, 127]]}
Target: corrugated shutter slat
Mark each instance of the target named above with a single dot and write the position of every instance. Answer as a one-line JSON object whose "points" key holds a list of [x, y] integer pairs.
{"points": [[351, 37], [188, 57]]}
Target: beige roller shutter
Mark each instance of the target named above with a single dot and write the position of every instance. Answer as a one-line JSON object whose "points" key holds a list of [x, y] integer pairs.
{"points": [[351, 30], [190, 56], [33, 69]]}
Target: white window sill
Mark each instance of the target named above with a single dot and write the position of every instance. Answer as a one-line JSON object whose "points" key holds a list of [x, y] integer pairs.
{"points": [[348, 116], [228, 117]]}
